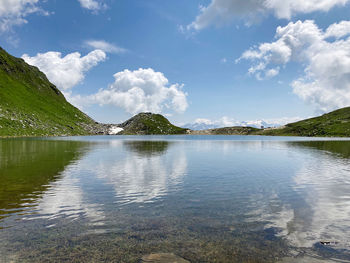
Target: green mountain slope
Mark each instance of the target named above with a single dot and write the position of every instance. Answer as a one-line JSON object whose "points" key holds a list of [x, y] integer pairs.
{"points": [[236, 130], [32, 106], [335, 123], [148, 124]]}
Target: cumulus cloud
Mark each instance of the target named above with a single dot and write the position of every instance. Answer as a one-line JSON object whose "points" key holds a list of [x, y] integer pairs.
{"points": [[92, 5], [223, 11], [288, 8], [338, 30], [14, 12], [105, 46], [65, 72], [142, 90], [326, 61]]}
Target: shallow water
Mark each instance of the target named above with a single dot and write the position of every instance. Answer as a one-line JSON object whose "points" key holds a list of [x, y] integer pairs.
{"points": [[204, 198]]}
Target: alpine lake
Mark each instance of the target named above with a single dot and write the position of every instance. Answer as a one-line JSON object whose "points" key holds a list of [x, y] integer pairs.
{"points": [[201, 198]]}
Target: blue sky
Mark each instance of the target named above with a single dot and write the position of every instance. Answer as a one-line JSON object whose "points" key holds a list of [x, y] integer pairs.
{"points": [[188, 59]]}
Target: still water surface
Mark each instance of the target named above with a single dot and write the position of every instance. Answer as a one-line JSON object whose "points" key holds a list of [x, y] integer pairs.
{"points": [[204, 198]]}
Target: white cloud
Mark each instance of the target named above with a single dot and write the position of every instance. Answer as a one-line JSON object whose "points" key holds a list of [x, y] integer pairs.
{"points": [[142, 90], [326, 82], [134, 91], [65, 72], [224, 11], [338, 30], [92, 5], [105, 46], [288, 8], [14, 12]]}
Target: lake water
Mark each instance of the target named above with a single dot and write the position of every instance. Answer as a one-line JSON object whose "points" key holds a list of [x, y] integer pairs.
{"points": [[203, 198]]}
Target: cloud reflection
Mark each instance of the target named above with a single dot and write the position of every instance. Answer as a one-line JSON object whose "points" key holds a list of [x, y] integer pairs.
{"points": [[66, 199], [320, 209], [145, 172], [138, 172]]}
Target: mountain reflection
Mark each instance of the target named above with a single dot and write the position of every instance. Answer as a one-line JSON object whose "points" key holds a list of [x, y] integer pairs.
{"points": [[147, 148], [338, 148], [28, 167]]}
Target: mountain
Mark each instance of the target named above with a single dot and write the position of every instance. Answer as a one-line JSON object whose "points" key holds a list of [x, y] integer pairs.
{"points": [[32, 106], [203, 124], [147, 124], [236, 130], [333, 124], [197, 126]]}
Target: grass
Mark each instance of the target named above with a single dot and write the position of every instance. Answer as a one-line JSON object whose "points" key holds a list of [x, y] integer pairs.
{"points": [[149, 123], [32, 106], [333, 124]]}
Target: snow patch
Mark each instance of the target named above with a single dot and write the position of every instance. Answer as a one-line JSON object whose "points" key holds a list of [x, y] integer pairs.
{"points": [[115, 130]]}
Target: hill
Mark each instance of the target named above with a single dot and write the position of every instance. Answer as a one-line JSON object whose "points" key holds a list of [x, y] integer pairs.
{"points": [[237, 130], [32, 106], [148, 123], [333, 124]]}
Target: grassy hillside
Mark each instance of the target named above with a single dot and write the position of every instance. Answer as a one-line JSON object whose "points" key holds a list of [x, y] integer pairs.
{"points": [[333, 124], [148, 124], [32, 106], [227, 131]]}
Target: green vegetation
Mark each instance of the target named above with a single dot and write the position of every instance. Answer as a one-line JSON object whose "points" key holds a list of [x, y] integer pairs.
{"points": [[32, 106], [340, 149], [148, 124], [333, 124], [147, 148], [27, 167], [236, 130]]}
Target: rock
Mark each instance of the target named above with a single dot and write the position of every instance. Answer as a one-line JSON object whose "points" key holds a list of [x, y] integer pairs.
{"points": [[328, 243], [163, 258]]}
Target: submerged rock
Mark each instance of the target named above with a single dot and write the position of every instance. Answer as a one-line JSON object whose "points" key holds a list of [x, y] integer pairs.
{"points": [[163, 258]]}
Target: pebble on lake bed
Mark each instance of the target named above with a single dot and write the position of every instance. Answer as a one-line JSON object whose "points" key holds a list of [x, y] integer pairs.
{"points": [[163, 258]]}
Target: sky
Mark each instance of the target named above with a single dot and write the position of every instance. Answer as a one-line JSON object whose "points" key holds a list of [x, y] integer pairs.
{"points": [[212, 62]]}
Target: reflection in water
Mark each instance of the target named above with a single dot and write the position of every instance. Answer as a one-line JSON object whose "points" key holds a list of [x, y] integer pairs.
{"points": [[324, 181], [134, 179], [65, 198], [141, 179], [28, 167], [206, 200], [337, 148], [147, 148], [318, 209]]}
